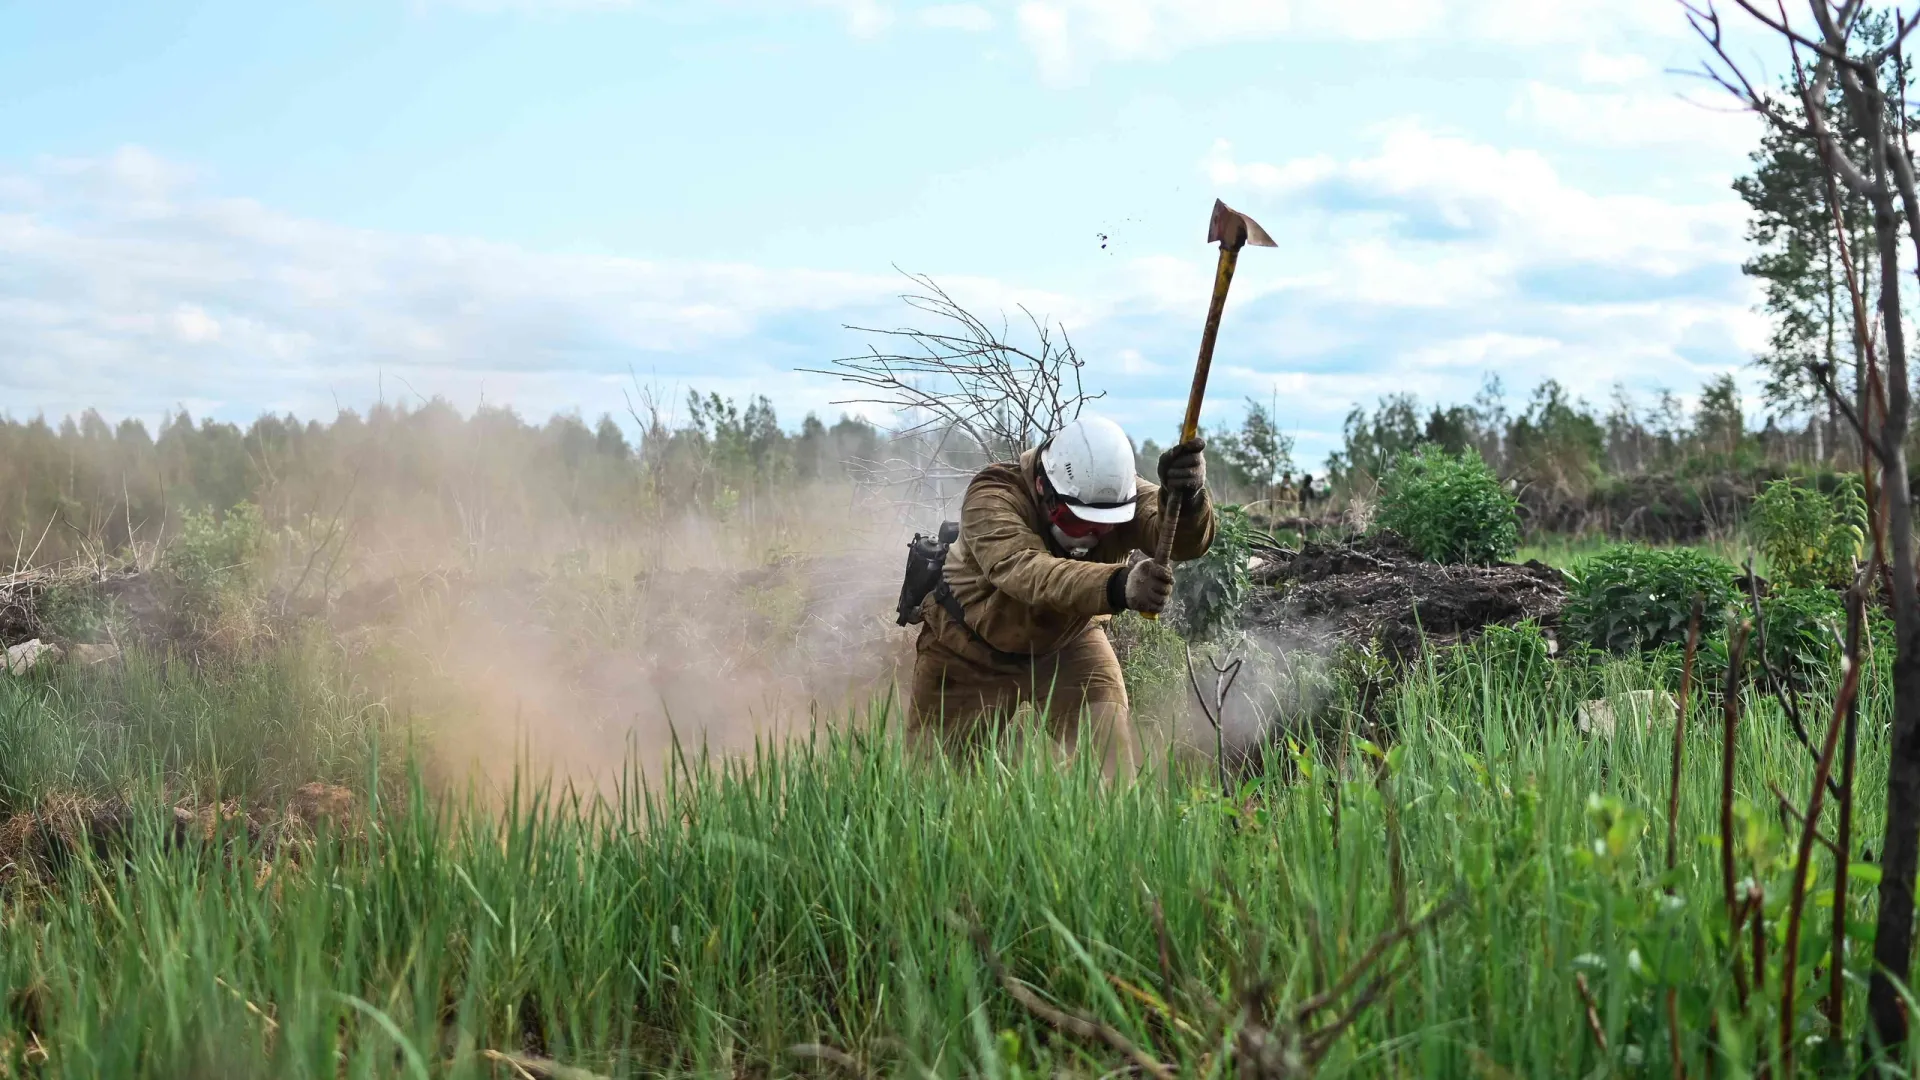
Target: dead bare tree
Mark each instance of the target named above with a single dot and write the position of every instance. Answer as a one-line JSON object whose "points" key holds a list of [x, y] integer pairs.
{"points": [[1215, 710], [1879, 170], [963, 391]]}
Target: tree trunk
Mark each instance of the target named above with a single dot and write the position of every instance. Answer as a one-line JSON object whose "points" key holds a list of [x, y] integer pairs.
{"points": [[1900, 844]]}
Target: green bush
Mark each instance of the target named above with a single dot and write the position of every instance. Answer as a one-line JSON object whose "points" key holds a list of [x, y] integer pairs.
{"points": [[1810, 538], [1628, 597], [1449, 507], [1208, 592], [75, 612], [1803, 628], [214, 557]]}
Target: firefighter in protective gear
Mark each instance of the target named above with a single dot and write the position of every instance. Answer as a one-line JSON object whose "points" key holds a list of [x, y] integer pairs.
{"points": [[1050, 548]]}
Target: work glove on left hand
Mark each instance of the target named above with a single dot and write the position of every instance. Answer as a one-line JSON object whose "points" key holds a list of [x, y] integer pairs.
{"points": [[1183, 469], [1148, 585]]}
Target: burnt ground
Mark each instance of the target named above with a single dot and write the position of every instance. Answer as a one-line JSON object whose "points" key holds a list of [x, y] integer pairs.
{"points": [[1372, 591]]}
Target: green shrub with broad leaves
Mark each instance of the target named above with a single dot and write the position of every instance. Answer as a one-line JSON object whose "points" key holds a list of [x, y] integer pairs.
{"points": [[1450, 508], [1803, 632], [1208, 592], [1810, 538], [214, 557], [1628, 598]]}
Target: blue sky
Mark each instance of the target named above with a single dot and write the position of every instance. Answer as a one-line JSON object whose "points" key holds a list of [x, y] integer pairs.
{"points": [[236, 207]]}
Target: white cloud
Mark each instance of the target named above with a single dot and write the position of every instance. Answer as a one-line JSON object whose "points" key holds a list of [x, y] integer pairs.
{"points": [[1444, 187], [193, 326], [1541, 22], [1432, 258], [1068, 37], [865, 18], [1415, 265], [1612, 68], [1639, 119], [129, 288], [1490, 351], [120, 290], [969, 17]]}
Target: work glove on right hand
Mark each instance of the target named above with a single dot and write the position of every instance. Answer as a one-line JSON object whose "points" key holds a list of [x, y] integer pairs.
{"points": [[1183, 469], [1149, 586]]}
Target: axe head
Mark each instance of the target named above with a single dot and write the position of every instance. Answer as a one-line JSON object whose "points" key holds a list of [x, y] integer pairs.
{"points": [[1233, 230]]}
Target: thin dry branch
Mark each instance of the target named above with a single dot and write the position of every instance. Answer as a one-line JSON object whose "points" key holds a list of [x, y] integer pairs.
{"points": [[1792, 813], [537, 1068], [1387, 940], [1067, 1021], [1314, 1045], [1594, 1027], [838, 1058], [973, 377], [1823, 374], [1223, 679], [1803, 858], [964, 382]]}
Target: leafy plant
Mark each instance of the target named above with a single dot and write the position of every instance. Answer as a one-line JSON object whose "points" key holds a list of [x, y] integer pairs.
{"points": [[1209, 591], [1810, 538], [76, 613], [215, 556], [1449, 507], [1628, 597], [1521, 653], [1803, 627]]}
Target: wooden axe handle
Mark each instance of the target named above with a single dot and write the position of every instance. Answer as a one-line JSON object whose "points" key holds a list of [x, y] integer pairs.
{"points": [[1190, 426]]}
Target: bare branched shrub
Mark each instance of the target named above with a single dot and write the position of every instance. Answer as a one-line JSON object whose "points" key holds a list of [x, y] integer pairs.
{"points": [[964, 392]]}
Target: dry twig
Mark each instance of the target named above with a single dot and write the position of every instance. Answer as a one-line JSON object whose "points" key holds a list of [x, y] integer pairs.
{"points": [[1594, 1027], [1066, 1021], [1223, 678]]}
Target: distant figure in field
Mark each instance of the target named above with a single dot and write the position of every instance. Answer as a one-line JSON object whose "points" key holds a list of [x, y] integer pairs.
{"points": [[1285, 496]]}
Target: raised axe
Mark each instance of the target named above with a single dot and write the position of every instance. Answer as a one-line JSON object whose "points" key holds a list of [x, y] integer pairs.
{"points": [[1232, 230]]}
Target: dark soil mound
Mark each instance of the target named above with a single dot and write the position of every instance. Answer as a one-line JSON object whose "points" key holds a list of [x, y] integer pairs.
{"points": [[26, 598], [1373, 589]]}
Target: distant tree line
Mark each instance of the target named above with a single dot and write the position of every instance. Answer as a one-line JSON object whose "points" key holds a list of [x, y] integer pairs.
{"points": [[84, 487], [1567, 446]]}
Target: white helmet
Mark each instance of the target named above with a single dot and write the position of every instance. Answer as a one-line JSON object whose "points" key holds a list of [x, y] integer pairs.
{"points": [[1089, 463]]}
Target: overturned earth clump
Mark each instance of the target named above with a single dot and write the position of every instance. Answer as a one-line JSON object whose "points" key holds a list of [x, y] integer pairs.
{"points": [[1372, 592]]}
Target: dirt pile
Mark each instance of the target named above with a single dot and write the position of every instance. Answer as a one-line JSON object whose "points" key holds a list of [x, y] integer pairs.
{"points": [[66, 607], [1373, 590]]}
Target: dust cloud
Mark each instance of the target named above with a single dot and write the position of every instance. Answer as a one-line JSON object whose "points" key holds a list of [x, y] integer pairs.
{"points": [[588, 665]]}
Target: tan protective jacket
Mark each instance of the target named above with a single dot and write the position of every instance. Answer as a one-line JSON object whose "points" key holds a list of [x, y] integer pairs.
{"points": [[1018, 590]]}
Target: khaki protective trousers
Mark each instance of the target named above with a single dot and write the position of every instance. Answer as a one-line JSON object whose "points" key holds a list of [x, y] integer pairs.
{"points": [[961, 698]]}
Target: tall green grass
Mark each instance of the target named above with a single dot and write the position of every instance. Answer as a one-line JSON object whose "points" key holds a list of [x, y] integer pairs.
{"points": [[212, 727], [707, 921], [1568, 551]]}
